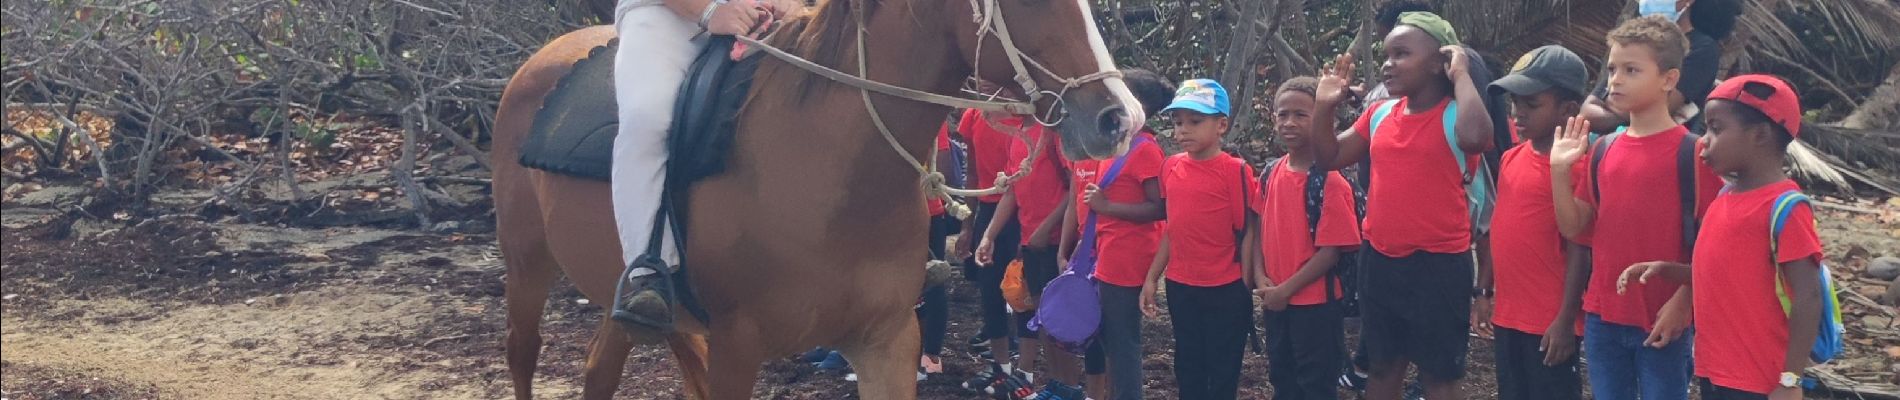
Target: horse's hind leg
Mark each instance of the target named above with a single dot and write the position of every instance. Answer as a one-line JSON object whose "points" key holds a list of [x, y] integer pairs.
{"points": [[689, 352], [886, 360], [531, 271], [606, 359]]}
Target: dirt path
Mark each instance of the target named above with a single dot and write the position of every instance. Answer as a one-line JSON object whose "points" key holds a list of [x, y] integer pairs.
{"points": [[185, 309]]}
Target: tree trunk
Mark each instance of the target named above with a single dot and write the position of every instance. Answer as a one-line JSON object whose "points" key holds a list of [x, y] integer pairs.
{"points": [[1881, 109], [1238, 71]]}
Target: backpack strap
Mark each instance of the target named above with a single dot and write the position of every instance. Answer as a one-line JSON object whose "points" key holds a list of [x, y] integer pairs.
{"points": [[1451, 138], [1379, 113], [1246, 203], [1686, 189], [1597, 153], [1778, 220]]}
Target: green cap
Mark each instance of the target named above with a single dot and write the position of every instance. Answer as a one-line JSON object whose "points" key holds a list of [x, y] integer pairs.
{"points": [[1431, 24]]}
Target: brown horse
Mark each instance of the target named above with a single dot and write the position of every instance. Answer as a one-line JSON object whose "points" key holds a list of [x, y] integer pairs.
{"points": [[815, 234]]}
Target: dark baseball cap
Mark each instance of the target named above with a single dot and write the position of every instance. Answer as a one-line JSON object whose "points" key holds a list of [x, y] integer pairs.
{"points": [[1544, 68]]}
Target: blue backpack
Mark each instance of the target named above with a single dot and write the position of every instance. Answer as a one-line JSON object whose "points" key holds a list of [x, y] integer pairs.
{"points": [[1480, 194], [1827, 343]]}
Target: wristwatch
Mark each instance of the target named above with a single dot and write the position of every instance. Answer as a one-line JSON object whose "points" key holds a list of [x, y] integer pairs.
{"points": [[1484, 292], [1790, 380]]}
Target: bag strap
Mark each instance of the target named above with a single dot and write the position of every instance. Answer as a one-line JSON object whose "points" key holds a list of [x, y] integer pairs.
{"points": [[1777, 221], [1598, 152], [1246, 203], [1686, 189], [1108, 178], [1451, 139]]}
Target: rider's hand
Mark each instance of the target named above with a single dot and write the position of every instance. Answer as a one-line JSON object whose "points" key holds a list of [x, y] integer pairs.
{"points": [[736, 17]]}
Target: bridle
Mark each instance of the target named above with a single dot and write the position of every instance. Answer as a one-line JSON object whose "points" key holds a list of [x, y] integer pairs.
{"points": [[988, 17]]}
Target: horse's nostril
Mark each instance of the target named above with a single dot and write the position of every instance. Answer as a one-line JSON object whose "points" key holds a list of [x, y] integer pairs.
{"points": [[1110, 121]]}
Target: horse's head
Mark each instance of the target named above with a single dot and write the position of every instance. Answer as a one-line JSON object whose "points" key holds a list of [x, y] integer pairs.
{"points": [[1055, 45]]}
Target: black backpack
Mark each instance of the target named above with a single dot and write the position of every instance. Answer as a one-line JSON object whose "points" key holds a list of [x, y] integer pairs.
{"points": [[1347, 269]]}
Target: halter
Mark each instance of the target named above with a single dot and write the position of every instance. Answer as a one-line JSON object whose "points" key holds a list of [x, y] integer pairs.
{"points": [[986, 15]]}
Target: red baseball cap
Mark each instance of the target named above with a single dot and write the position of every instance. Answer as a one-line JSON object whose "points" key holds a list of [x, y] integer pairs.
{"points": [[1768, 94]]}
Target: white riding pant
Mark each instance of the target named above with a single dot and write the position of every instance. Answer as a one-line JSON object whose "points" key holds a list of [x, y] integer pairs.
{"points": [[656, 47]]}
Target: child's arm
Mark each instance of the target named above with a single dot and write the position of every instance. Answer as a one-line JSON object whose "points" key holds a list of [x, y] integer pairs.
{"points": [[1005, 211], [1560, 340], [1474, 122], [1334, 149], [1803, 278], [1040, 238], [1153, 280], [1071, 232], [1481, 305], [1248, 241], [1603, 118], [1149, 210], [1674, 319], [1573, 214]]}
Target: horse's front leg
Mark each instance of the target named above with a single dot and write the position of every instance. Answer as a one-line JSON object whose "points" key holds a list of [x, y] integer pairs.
{"points": [[886, 357]]}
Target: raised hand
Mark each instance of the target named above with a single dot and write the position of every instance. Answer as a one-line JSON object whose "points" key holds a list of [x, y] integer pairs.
{"points": [[1335, 82], [1571, 141], [1459, 62]]}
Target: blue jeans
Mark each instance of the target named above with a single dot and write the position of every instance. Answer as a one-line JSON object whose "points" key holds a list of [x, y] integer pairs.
{"points": [[1621, 366]]}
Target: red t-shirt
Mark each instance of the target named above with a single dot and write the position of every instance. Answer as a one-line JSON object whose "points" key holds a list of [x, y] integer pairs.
{"points": [[990, 147], [1284, 235], [1124, 249], [1204, 210], [1741, 334], [1040, 192], [1417, 198], [1527, 251], [943, 144], [1637, 221]]}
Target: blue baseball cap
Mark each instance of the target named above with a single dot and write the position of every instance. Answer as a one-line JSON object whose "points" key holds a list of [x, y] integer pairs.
{"points": [[1200, 95]]}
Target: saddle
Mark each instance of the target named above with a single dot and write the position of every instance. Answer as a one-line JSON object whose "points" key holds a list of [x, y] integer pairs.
{"points": [[573, 135]]}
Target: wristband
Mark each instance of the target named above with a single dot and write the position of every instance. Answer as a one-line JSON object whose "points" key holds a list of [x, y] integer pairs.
{"points": [[705, 17]]}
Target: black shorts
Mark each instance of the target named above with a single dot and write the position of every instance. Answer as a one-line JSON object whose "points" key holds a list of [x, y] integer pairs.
{"points": [[1417, 308], [1522, 374], [1039, 267], [1711, 391]]}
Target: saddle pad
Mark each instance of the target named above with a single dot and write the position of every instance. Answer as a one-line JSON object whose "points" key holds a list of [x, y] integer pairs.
{"points": [[573, 133]]}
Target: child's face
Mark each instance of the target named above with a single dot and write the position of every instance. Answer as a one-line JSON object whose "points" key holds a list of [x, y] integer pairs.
{"points": [[1412, 60], [1729, 145], [1637, 81], [1539, 115], [1292, 116], [1197, 132]]}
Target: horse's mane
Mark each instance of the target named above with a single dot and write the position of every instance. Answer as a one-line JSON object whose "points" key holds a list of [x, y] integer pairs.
{"points": [[823, 35]]}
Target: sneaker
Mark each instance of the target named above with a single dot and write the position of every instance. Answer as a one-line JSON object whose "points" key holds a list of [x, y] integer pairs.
{"points": [[985, 380], [929, 366], [1352, 380], [833, 361], [643, 298], [1014, 386], [1414, 392], [979, 344], [1055, 390], [816, 355]]}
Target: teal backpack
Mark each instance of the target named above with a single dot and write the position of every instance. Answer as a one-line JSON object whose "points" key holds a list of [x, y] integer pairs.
{"points": [[1827, 343], [1480, 194]]}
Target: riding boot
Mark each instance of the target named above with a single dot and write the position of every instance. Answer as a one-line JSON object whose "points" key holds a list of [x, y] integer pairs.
{"points": [[643, 300]]}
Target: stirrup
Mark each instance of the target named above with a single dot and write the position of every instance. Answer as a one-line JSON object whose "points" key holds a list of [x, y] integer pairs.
{"points": [[635, 297]]}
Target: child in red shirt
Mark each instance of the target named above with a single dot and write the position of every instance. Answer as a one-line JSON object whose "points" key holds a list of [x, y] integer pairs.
{"points": [[1029, 203], [1639, 342], [1416, 300], [1205, 192], [1748, 345], [1294, 275], [1536, 325], [1128, 208]]}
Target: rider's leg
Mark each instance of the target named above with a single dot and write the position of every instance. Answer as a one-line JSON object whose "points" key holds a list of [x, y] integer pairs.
{"points": [[655, 50]]}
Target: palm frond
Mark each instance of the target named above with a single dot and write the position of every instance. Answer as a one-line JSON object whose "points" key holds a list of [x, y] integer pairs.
{"points": [[1807, 165], [1872, 25]]}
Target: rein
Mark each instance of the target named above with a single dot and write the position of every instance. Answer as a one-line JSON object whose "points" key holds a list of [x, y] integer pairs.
{"points": [[985, 13]]}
